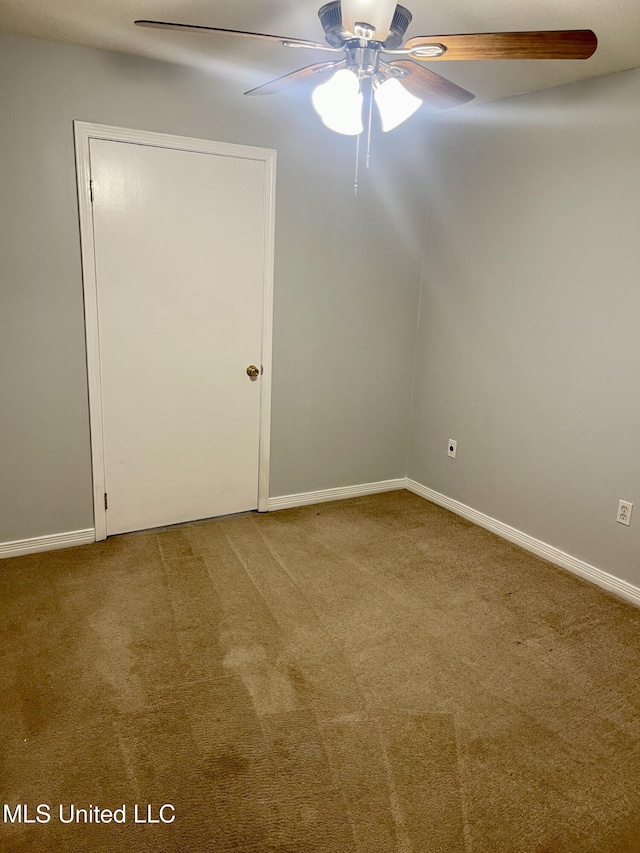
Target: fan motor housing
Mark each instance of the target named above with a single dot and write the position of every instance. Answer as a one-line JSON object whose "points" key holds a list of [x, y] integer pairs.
{"points": [[331, 19]]}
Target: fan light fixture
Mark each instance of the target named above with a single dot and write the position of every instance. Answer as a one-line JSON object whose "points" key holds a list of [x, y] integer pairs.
{"points": [[394, 102], [338, 102], [376, 14]]}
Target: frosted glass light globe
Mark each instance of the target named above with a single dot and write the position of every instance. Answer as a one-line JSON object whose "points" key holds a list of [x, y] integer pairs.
{"points": [[377, 13], [394, 103], [338, 102]]}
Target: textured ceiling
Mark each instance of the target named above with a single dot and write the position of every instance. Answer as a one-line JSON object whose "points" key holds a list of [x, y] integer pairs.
{"points": [[109, 24]]}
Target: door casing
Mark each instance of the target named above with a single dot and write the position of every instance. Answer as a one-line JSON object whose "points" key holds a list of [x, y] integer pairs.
{"points": [[83, 132]]}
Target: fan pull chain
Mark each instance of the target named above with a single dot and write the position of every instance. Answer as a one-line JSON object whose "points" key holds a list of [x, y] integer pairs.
{"points": [[368, 154], [370, 105]]}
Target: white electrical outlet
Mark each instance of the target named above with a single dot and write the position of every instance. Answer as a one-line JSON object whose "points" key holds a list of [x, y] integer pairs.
{"points": [[624, 512], [452, 448]]}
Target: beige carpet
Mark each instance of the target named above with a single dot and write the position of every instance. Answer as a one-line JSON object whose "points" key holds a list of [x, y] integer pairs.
{"points": [[369, 676]]}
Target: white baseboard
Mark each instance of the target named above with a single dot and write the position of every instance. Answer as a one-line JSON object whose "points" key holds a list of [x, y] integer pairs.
{"points": [[603, 579], [548, 552], [47, 543], [305, 498]]}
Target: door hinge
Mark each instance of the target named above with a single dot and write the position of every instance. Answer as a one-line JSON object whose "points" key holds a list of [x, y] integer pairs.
{"points": [[106, 502], [91, 189]]}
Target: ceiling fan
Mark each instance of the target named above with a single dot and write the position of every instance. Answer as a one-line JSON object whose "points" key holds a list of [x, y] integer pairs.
{"points": [[371, 65], [368, 35]]}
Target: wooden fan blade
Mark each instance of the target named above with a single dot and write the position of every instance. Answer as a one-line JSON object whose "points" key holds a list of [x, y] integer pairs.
{"points": [[552, 44], [431, 87], [193, 28], [273, 87]]}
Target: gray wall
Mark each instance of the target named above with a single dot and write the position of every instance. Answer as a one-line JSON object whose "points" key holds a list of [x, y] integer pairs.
{"points": [[529, 349], [346, 285], [529, 342]]}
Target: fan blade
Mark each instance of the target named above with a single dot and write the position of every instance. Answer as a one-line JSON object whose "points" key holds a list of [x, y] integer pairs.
{"points": [[430, 86], [377, 13], [273, 87], [554, 44], [194, 28]]}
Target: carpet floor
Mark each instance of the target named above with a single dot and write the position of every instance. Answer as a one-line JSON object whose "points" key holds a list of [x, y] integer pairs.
{"points": [[367, 676]]}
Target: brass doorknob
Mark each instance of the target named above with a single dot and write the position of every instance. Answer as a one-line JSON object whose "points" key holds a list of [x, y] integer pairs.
{"points": [[253, 371]]}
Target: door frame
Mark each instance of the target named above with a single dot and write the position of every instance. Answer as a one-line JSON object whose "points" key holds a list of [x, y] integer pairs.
{"points": [[83, 133]]}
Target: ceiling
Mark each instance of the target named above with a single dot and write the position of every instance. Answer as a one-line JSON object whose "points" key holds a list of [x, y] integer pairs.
{"points": [[109, 24]]}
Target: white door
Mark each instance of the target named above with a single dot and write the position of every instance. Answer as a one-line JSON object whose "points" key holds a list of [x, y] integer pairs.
{"points": [[180, 245]]}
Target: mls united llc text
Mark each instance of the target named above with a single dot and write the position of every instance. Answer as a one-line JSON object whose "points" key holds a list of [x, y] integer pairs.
{"points": [[70, 813]]}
